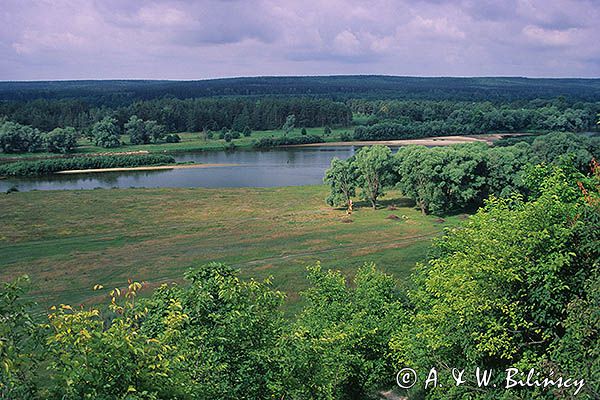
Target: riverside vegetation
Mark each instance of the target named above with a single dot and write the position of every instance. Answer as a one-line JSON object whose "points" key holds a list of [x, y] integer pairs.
{"points": [[515, 285], [211, 311]]}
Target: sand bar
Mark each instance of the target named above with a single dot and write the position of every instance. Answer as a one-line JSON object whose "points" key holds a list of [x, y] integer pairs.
{"points": [[146, 168], [430, 141]]}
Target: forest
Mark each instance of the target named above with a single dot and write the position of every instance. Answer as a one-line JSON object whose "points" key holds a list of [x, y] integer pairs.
{"points": [[481, 255]]}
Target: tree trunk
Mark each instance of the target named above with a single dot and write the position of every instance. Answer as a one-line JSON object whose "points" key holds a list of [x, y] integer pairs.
{"points": [[422, 207]]}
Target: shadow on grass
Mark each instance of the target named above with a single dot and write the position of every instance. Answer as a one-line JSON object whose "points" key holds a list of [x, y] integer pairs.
{"points": [[401, 202]]}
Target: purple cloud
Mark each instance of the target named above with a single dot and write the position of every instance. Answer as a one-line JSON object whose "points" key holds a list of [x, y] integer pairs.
{"points": [[186, 39]]}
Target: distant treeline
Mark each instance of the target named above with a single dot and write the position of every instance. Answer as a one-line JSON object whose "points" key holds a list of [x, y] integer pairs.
{"points": [[122, 93], [409, 119], [177, 115], [46, 167]]}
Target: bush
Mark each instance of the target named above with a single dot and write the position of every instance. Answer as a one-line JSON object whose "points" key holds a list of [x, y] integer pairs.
{"points": [[287, 141], [61, 140], [106, 133], [17, 138], [172, 138], [46, 167]]}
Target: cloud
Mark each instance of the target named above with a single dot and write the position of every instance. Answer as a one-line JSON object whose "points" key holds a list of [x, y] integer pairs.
{"points": [[193, 39]]}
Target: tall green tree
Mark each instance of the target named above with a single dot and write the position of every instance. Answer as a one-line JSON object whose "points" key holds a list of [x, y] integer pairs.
{"points": [[342, 180], [61, 140], [290, 123], [106, 133], [375, 173], [337, 347], [497, 293], [136, 129], [17, 138]]}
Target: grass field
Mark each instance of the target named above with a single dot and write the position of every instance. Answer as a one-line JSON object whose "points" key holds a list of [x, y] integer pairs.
{"points": [[68, 241], [189, 142]]}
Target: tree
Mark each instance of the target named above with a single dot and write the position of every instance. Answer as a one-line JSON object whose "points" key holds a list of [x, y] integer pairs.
{"points": [[498, 290], [442, 179], [228, 137], [374, 167], [342, 179], [136, 129], [337, 347], [155, 131], [303, 132], [327, 131], [554, 147], [229, 341], [17, 138], [106, 133], [61, 140], [247, 132], [222, 133], [21, 343], [290, 122]]}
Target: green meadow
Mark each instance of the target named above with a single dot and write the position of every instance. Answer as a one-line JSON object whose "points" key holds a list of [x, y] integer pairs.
{"points": [[69, 241], [190, 141]]}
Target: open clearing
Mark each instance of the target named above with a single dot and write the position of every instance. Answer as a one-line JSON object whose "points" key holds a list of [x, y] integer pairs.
{"points": [[68, 241]]}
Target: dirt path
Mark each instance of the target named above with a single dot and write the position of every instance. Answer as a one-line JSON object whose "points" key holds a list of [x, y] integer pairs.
{"points": [[147, 168]]}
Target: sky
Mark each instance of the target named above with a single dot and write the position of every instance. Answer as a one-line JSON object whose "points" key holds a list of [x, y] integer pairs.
{"points": [[187, 39]]}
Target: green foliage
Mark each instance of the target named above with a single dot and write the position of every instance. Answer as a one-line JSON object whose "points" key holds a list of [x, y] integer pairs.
{"points": [[290, 123], [247, 132], [442, 179], [49, 166], [155, 131], [448, 179], [109, 356], [227, 137], [172, 138], [497, 293], [228, 339], [106, 133], [20, 343], [303, 132], [554, 147], [414, 119], [61, 140], [342, 179], [375, 173], [267, 142], [337, 348], [17, 138], [136, 129], [327, 131]]}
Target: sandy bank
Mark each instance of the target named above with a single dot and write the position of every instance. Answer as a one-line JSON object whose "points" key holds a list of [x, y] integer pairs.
{"points": [[147, 168], [430, 141]]}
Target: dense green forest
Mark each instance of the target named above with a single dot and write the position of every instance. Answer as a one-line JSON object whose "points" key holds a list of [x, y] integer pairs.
{"points": [[118, 93], [382, 107]]}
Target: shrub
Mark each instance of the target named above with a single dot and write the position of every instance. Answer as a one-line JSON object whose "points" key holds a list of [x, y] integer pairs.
{"points": [[46, 167], [61, 140], [172, 138], [287, 141]]}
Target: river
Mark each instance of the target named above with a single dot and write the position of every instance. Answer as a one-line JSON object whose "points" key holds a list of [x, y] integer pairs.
{"points": [[269, 168]]}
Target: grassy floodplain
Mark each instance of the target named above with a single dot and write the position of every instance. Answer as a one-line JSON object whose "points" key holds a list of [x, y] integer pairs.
{"points": [[190, 141], [68, 241]]}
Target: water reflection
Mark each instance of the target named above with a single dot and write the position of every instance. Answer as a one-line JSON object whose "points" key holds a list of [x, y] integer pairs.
{"points": [[277, 167]]}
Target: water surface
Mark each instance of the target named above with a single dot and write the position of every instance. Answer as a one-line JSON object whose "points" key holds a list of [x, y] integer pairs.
{"points": [[269, 168]]}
